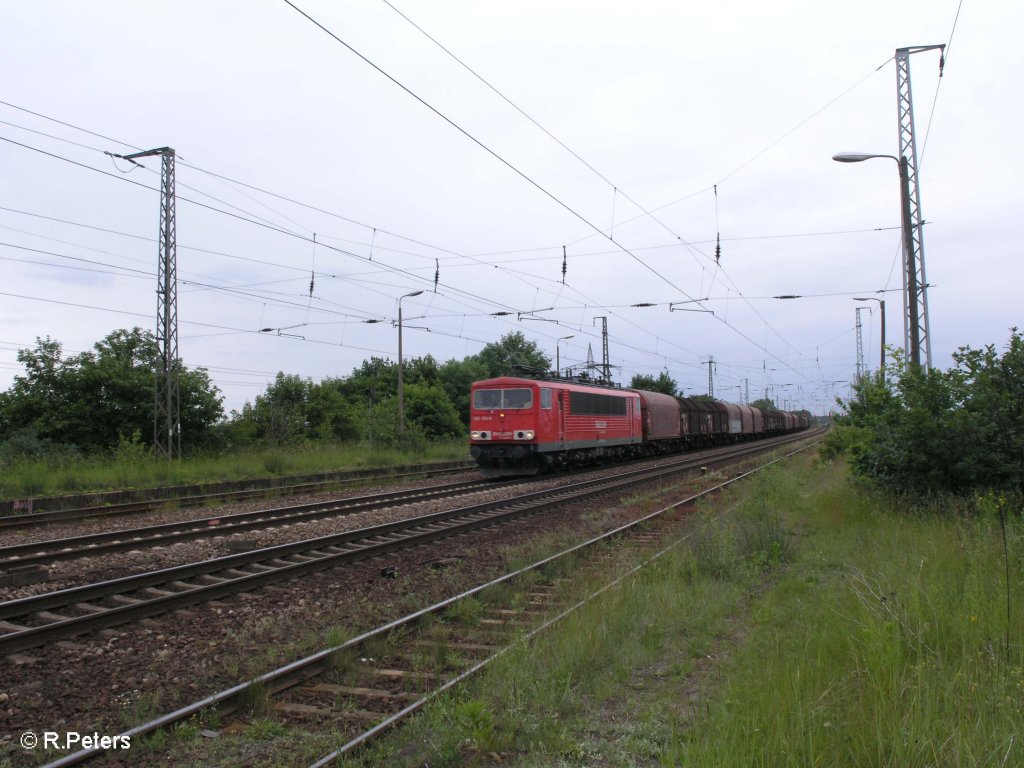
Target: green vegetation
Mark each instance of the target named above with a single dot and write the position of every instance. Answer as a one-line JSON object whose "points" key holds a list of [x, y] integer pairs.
{"points": [[816, 623], [85, 422], [938, 431], [22, 478], [662, 383], [97, 400]]}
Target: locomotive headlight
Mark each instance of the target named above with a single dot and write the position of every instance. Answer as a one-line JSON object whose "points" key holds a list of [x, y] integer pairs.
{"points": [[479, 435], [525, 434]]}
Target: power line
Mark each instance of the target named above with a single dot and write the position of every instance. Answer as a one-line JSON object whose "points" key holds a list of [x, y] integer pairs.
{"points": [[219, 176], [515, 169], [480, 144], [266, 224], [615, 187]]}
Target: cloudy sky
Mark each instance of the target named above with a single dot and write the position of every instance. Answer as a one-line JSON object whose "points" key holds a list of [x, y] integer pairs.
{"points": [[370, 160]]}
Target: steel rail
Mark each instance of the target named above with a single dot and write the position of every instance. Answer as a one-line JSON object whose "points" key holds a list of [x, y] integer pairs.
{"points": [[173, 588], [297, 671], [40, 552], [199, 499]]}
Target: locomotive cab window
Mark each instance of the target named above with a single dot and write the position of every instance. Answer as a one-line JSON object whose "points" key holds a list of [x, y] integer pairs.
{"points": [[509, 399], [545, 397]]}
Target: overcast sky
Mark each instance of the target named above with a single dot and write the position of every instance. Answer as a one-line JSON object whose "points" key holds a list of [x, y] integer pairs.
{"points": [[426, 170]]}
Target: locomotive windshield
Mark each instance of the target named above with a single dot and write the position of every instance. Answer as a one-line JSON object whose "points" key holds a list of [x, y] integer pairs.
{"points": [[508, 399]]}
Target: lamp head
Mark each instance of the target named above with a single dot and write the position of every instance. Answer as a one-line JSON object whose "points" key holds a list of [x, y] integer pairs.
{"points": [[859, 157]]}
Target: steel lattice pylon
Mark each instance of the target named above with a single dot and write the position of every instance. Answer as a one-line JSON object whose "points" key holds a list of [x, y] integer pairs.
{"points": [[166, 398], [915, 307], [167, 414]]}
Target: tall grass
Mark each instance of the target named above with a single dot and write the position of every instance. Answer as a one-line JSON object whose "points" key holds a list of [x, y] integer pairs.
{"points": [[883, 645], [814, 624], [133, 469]]}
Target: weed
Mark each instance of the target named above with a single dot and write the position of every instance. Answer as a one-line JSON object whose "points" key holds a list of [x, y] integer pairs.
{"points": [[477, 723], [153, 742], [262, 729], [467, 611], [342, 662], [254, 700]]}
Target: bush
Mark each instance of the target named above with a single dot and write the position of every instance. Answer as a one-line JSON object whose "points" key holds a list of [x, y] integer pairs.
{"points": [[924, 432]]}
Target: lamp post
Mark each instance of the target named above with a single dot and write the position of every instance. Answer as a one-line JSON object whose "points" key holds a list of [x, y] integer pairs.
{"points": [[558, 357], [401, 384], [911, 290], [881, 353]]}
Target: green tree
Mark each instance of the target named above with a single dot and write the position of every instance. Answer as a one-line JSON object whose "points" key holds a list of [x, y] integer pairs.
{"points": [[428, 407], [329, 414], [513, 349], [457, 377], [993, 418], [663, 383], [101, 397], [279, 414], [925, 431]]}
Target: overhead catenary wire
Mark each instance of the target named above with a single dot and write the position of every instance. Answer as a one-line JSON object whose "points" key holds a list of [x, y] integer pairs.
{"points": [[563, 278], [615, 189], [597, 230], [243, 218], [226, 178]]}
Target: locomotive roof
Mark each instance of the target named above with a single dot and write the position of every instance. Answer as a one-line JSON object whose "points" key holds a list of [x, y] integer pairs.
{"points": [[575, 386]]}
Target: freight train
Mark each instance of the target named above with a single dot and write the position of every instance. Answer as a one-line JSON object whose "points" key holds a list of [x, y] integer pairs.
{"points": [[524, 426]]}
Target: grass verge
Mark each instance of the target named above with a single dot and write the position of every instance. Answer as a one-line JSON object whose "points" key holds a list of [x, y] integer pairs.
{"points": [[23, 479], [813, 624]]}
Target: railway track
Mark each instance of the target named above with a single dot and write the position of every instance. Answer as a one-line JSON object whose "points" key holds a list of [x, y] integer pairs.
{"points": [[201, 499], [42, 552], [44, 618], [371, 683]]}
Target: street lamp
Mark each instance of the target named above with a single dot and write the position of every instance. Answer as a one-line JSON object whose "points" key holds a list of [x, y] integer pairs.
{"points": [[401, 385], [881, 354], [558, 357], [911, 290]]}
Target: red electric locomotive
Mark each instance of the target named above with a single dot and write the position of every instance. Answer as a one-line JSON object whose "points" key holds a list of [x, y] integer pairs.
{"points": [[520, 426]]}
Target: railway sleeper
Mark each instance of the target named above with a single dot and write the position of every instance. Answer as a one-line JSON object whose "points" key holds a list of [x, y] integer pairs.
{"points": [[375, 540], [303, 710], [236, 573], [50, 616], [365, 693], [91, 608], [458, 645], [403, 674], [154, 592], [362, 715], [513, 613], [125, 600], [210, 579]]}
